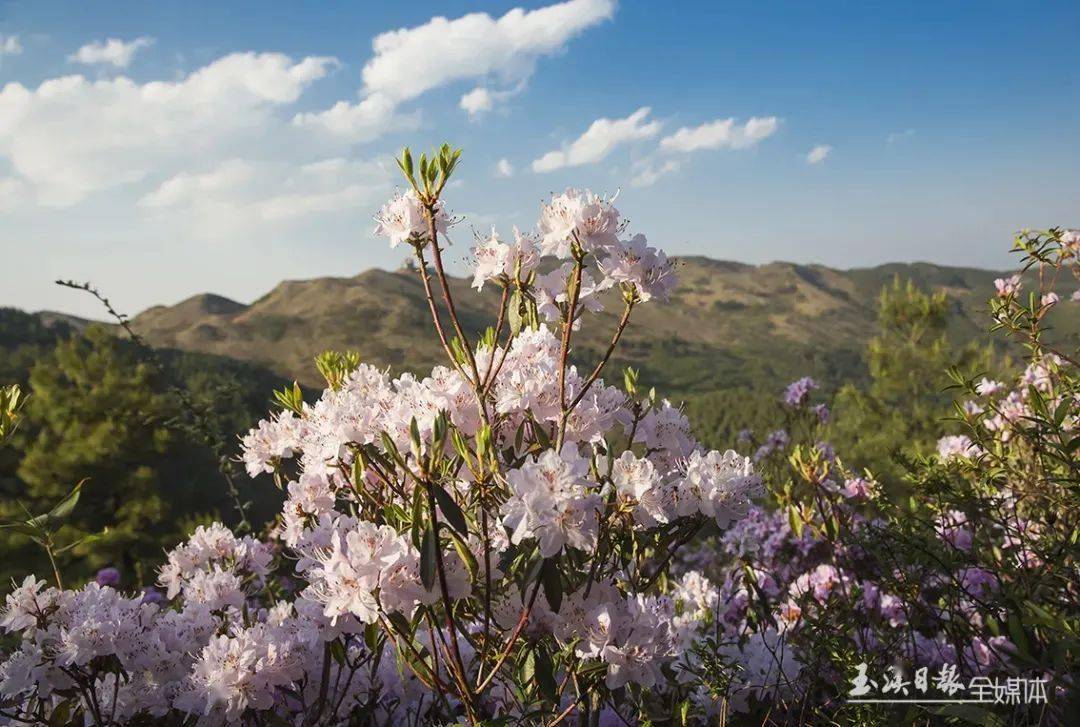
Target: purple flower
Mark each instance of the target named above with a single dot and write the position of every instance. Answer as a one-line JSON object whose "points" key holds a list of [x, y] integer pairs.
{"points": [[777, 439], [798, 391], [108, 577], [859, 488], [821, 412], [152, 595]]}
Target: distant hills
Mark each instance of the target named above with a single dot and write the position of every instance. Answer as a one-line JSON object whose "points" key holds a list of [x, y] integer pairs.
{"points": [[728, 324]]}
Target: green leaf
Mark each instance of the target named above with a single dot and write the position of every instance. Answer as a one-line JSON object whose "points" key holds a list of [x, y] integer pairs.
{"points": [[414, 436], [528, 667], [337, 651], [417, 514], [22, 528], [466, 555], [545, 675], [371, 637], [400, 624], [1016, 633], [460, 446], [515, 316], [93, 537], [391, 449], [451, 510], [67, 505], [552, 582], [428, 558]]}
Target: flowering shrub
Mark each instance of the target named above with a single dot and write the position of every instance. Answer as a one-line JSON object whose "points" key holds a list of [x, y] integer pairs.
{"points": [[513, 538], [973, 575], [484, 543]]}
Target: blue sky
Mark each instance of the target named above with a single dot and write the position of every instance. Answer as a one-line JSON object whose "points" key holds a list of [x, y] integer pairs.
{"points": [[199, 151]]}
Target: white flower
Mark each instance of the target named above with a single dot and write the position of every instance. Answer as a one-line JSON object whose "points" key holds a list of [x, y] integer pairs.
{"points": [[495, 257], [718, 486], [552, 289], [631, 634], [25, 604], [769, 668], [581, 217], [957, 446], [271, 441], [552, 502], [633, 262], [1008, 286], [666, 430], [404, 219], [637, 483]]}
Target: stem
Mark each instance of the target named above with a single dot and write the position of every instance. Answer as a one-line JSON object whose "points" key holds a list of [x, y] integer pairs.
{"points": [[426, 279], [55, 570], [433, 676], [324, 683], [607, 354], [487, 578], [522, 620], [670, 555], [448, 605], [436, 256], [498, 331], [568, 325]]}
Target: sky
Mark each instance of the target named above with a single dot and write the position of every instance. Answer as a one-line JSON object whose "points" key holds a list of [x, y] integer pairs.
{"points": [[165, 149]]}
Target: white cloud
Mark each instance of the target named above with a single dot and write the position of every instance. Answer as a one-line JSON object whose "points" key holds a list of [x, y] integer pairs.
{"points": [[240, 194], [412, 61], [71, 137], [186, 188], [477, 101], [12, 194], [504, 168], [898, 136], [481, 99], [113, 52], [648, 172], [599, 140], [359, 122], [721, 134], [818, 154], [10, 45]]}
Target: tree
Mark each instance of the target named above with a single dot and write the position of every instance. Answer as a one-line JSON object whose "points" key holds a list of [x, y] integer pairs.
{"points": [[902, 408], [98, 412]]}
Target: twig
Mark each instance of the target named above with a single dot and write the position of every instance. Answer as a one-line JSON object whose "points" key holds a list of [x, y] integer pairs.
{"points": [[210, 436]]}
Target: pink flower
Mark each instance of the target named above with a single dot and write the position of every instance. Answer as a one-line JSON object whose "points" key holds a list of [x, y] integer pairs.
{"points": [[1008, 286]]}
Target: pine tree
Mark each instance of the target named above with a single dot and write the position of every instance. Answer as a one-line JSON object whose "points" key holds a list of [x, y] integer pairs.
{"points": [[902, 408]]}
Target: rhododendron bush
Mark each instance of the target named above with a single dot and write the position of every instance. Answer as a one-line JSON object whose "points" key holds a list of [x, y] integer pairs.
{"points": [[513, 537], [481, 543], [973, 576]]}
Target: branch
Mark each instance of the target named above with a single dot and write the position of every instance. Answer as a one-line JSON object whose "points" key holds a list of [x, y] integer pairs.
{"points": [[210, 436]]}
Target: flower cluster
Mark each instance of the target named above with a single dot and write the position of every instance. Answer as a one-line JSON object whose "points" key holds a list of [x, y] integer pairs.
{"points": [[488, 540]]}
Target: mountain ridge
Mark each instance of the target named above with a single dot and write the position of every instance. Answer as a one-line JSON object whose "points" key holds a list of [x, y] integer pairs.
{"points": [[727, 324]]}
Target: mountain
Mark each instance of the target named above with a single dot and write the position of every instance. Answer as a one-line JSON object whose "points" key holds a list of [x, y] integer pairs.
{"points": [[727, 325]]}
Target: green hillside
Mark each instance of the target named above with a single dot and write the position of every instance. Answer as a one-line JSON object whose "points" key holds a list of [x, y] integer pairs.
{"points": [[728, 324]]}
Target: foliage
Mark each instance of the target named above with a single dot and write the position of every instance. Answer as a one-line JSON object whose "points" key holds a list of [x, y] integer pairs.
{"points": [[907, 397], [975, 571], [97, 411]]}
